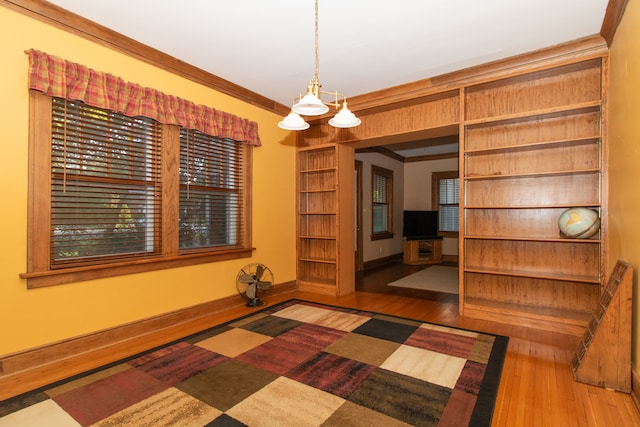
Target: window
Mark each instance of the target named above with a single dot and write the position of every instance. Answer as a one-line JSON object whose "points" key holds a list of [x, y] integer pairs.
{"points": [[382, 199], [104, 183], [111, 194], [210, 191], [446, 194]]}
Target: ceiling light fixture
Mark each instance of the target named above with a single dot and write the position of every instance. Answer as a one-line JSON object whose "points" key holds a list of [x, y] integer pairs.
{"points": [[312, 104]]}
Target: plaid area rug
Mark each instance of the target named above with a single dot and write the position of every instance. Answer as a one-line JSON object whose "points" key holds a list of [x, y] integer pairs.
{"points": [[296, 363]]}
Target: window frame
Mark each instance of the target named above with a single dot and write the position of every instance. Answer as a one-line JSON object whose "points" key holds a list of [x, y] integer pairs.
{"points": [[436, 177], [388, 175], [228, 182], [39, 272]]}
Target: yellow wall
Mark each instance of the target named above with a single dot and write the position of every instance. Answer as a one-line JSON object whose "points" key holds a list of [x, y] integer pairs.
{"points": [[39, 316], [624, 143]]}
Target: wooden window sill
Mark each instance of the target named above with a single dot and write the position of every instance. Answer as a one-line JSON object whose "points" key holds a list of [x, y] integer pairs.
{"points": [[38, 279]]}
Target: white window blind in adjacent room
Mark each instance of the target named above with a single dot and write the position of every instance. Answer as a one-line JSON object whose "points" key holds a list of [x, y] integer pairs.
{"points": [[448, 204]]}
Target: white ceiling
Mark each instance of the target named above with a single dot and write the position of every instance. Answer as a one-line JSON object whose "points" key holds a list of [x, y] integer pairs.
{"points": [[267, 46]]}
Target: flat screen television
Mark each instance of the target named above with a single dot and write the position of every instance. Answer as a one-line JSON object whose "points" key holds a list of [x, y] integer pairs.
{"points": [[420, 225]]}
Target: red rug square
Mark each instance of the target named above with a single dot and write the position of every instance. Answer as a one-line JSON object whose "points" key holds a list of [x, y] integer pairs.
{"points": [[98, 400]]}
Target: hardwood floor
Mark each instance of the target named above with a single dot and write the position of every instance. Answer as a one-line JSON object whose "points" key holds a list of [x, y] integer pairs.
{"points": [[537, 386]]}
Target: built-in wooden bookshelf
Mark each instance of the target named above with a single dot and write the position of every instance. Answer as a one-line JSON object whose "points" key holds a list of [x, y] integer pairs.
{"points": [[324, 193], [532, 133], [531, 148]]}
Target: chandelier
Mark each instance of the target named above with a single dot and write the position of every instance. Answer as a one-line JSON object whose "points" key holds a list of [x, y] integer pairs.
{"points": [[313, 105]]}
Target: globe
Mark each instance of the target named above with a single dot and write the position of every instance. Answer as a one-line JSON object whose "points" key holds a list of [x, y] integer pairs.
{"points": [[579, 223]]}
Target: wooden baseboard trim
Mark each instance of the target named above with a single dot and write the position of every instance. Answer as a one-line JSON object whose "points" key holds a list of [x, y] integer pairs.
{"points": [[37, 367], [450, 258], [635, 386], [380, 262]]}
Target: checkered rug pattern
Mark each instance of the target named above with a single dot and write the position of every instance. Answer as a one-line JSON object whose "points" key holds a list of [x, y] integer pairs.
{"points": [[292, 364]]}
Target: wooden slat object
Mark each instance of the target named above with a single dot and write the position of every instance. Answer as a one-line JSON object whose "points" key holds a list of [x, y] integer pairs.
{"points": [[603, 357]]}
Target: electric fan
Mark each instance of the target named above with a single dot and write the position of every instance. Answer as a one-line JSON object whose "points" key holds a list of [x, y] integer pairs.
{"points": [[252, 280]]}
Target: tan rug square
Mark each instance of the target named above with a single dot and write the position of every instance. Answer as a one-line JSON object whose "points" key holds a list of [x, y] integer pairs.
{"points": [[42, 413], [436, 368], [352, 415], [284, 403], [323, 317], [233, 342], [170, 407], [365, 349]]}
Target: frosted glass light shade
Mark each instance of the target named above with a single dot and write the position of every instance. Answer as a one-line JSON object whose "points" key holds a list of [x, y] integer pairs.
{"points": [[345, 118], [293, 122], [310, 105]]}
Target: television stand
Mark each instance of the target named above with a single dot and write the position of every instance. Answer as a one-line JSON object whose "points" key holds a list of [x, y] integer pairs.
{"points": [[423, 251]]}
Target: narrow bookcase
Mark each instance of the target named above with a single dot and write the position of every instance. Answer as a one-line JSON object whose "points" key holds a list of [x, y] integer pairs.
{"points": [[325, 212]]}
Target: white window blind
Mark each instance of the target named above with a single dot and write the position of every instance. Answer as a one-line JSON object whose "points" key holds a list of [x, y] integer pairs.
{"points": [[104, 185], [448, 205], [211, 191]]}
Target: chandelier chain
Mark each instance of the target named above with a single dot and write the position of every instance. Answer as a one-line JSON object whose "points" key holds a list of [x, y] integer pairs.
{"points": [[312, 105], [317, 75]]}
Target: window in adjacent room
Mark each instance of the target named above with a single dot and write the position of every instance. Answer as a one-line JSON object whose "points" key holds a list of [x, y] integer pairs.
{"points": [[445, 193], [382, 198]]}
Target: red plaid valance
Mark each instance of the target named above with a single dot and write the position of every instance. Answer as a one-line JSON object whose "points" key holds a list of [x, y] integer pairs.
{"points": [[60, 78]]}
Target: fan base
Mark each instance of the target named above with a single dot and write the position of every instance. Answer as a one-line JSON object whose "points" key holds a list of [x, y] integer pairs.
{"points": [[254, 302]]}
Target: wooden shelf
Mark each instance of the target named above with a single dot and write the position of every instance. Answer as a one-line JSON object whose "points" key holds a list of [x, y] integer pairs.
{"points": [[533, 174], [316, 213], [562, 321], [332, 169], [534, 239], [316, 285], [318, 260], [535, 145], [537, 114], [316, 148], [324, 190], [317, 237], [535, 274], [521, 207]]}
